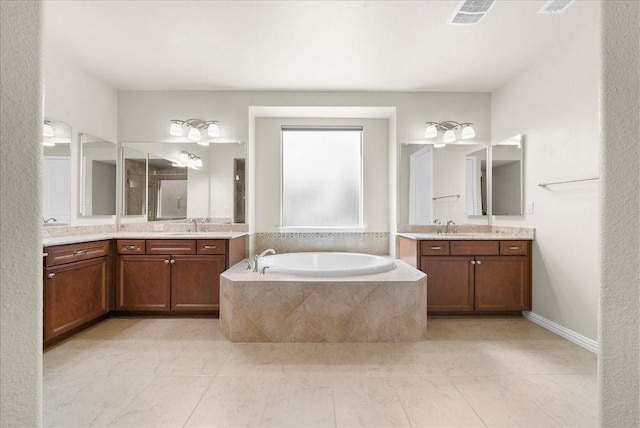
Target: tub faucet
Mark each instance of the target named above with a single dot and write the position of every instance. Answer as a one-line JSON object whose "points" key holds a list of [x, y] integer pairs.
{"points": [[48, 220], [195, 224], [258, 257], [450, 223]]}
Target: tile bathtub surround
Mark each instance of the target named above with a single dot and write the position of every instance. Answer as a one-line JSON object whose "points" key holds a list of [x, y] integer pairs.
{"points": [[385, 307], [368, 242], [467, 372]]}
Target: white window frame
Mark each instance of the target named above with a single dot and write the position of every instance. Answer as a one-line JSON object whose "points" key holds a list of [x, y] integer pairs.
{"points": [[345, 229]]}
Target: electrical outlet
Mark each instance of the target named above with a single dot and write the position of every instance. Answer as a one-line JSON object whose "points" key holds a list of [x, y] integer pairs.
{"points": [[529, 207]]}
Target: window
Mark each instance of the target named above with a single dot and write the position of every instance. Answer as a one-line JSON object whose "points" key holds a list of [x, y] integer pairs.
{"points": [[322, 177]]}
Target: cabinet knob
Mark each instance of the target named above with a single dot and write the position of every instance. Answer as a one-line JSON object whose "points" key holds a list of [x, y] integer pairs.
{"points": [[51, 275], [478, 262], [166, 262], [173, 261], [473, 262]]}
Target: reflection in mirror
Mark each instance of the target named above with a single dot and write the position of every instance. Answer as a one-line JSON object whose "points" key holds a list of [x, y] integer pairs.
{"points": [[432, 184], [134, 182], [476, 182], [506, 177], [97, 176], [239, 197], [56, 175], [167, 190]]}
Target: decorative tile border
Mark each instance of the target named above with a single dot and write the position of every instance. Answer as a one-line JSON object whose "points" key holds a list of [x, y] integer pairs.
{"points": [[291, 242]]}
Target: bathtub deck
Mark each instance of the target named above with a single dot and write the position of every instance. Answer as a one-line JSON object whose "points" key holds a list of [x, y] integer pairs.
{"points": [[385, 307]]}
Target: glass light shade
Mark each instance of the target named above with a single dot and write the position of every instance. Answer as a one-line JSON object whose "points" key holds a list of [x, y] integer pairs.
{"points": [[175, 129], [449, 136], [47, 131], [183, 157], [191, 163], [213, 130], [439, 145], [468, 132], [431, 131], [203, 143], [194, 134], [198, 163]]}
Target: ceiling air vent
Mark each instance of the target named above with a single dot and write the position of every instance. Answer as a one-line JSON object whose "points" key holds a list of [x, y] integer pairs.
{"points": [[555, 6], [470, 12]]}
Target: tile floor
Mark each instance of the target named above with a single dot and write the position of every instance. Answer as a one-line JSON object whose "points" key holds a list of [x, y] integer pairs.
{"points": [[484, 372]]}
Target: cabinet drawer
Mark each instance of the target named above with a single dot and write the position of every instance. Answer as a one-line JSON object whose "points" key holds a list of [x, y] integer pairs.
{"points": [[211, 246], [474, 248], [62, 254], [130, 246], [434, 248], [171, 246], [514, 248]]}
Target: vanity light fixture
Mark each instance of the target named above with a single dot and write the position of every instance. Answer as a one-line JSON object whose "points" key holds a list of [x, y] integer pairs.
{"points": [[195, 128], [449, 129], [190, 160]]}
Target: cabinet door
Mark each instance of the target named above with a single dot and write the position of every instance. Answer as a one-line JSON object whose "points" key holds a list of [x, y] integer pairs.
{"points": [[195, 282], [75, 294], [143, 283], [502, 283], [449, 283]]}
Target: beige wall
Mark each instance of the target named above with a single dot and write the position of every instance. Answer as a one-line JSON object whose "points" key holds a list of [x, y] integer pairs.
{"points": [[375, 170], [619, 323], [20, 215], [555, 104]]}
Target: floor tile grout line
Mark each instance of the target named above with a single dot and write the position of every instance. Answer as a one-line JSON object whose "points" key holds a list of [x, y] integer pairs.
{"points": [[400, 401], [468, 403], [123, 408], [199, 401]]}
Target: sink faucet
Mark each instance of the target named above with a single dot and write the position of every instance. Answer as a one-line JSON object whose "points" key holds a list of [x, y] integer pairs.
{"points": [[195, 224], [258, 257], [450, 223]]}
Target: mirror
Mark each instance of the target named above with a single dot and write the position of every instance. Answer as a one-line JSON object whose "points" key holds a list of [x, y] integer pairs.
{"points": [[215, 191], [433, 184], [506, 177], [134, 182], [97, 176], [56, 175]]}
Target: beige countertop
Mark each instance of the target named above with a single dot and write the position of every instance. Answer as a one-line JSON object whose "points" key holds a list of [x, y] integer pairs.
{"points": [[466, 236], [74, 239]]}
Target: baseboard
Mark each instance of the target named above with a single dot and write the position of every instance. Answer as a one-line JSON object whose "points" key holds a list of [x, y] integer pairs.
{"points": [[570, 335]]}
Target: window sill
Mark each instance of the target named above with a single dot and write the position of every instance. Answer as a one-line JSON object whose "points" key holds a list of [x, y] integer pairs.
{"points": [[320, 229]]}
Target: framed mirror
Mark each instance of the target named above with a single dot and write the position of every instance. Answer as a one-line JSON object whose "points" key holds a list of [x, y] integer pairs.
{"points": [[433, 184], [98, 177], [56, 174], [506, 177], [134, 182]]}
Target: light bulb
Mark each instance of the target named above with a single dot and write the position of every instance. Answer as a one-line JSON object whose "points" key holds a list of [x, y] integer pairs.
{"points": [[191, 163], [184, 156], [213, 130], [194, 134], [175, 129], [431, 131], [468, 132], [449, 136], [47, 130], [203, 143], [198, 162]]}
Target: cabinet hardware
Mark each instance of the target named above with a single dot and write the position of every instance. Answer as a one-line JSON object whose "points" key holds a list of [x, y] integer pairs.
{"points": [[473, 262], [166, 262], [514, 248], [79, 252], [436, 248], [173, 261], [51, 275], [478, 262], [132, 247], [210, 247]]}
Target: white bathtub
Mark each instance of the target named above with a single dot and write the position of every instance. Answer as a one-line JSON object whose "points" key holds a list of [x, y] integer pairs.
{"points": [[326, 264]]}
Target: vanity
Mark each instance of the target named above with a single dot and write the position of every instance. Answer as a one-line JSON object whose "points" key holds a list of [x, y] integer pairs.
{"points": [[89, 278], [477, 273]]}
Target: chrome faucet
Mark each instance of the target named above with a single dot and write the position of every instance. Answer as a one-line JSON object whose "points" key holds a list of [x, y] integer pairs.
{"points": [[49, 219], [449, 223], [195, 224], [258, 257]]}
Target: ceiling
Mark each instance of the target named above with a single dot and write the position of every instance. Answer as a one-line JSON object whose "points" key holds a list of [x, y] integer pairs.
{"points": [[305, 45]]}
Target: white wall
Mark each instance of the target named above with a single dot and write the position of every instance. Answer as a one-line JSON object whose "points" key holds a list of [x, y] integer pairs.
{"points": [[555, 104], [74, 96], [20, 215], [222, 179]]}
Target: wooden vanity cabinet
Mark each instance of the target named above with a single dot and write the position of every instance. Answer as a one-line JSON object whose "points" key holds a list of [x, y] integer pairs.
{"points": [[474, 276], [76, 287]]}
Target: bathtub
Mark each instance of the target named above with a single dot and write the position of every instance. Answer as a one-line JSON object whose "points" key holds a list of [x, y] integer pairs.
{"points": [[326, 264]]}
